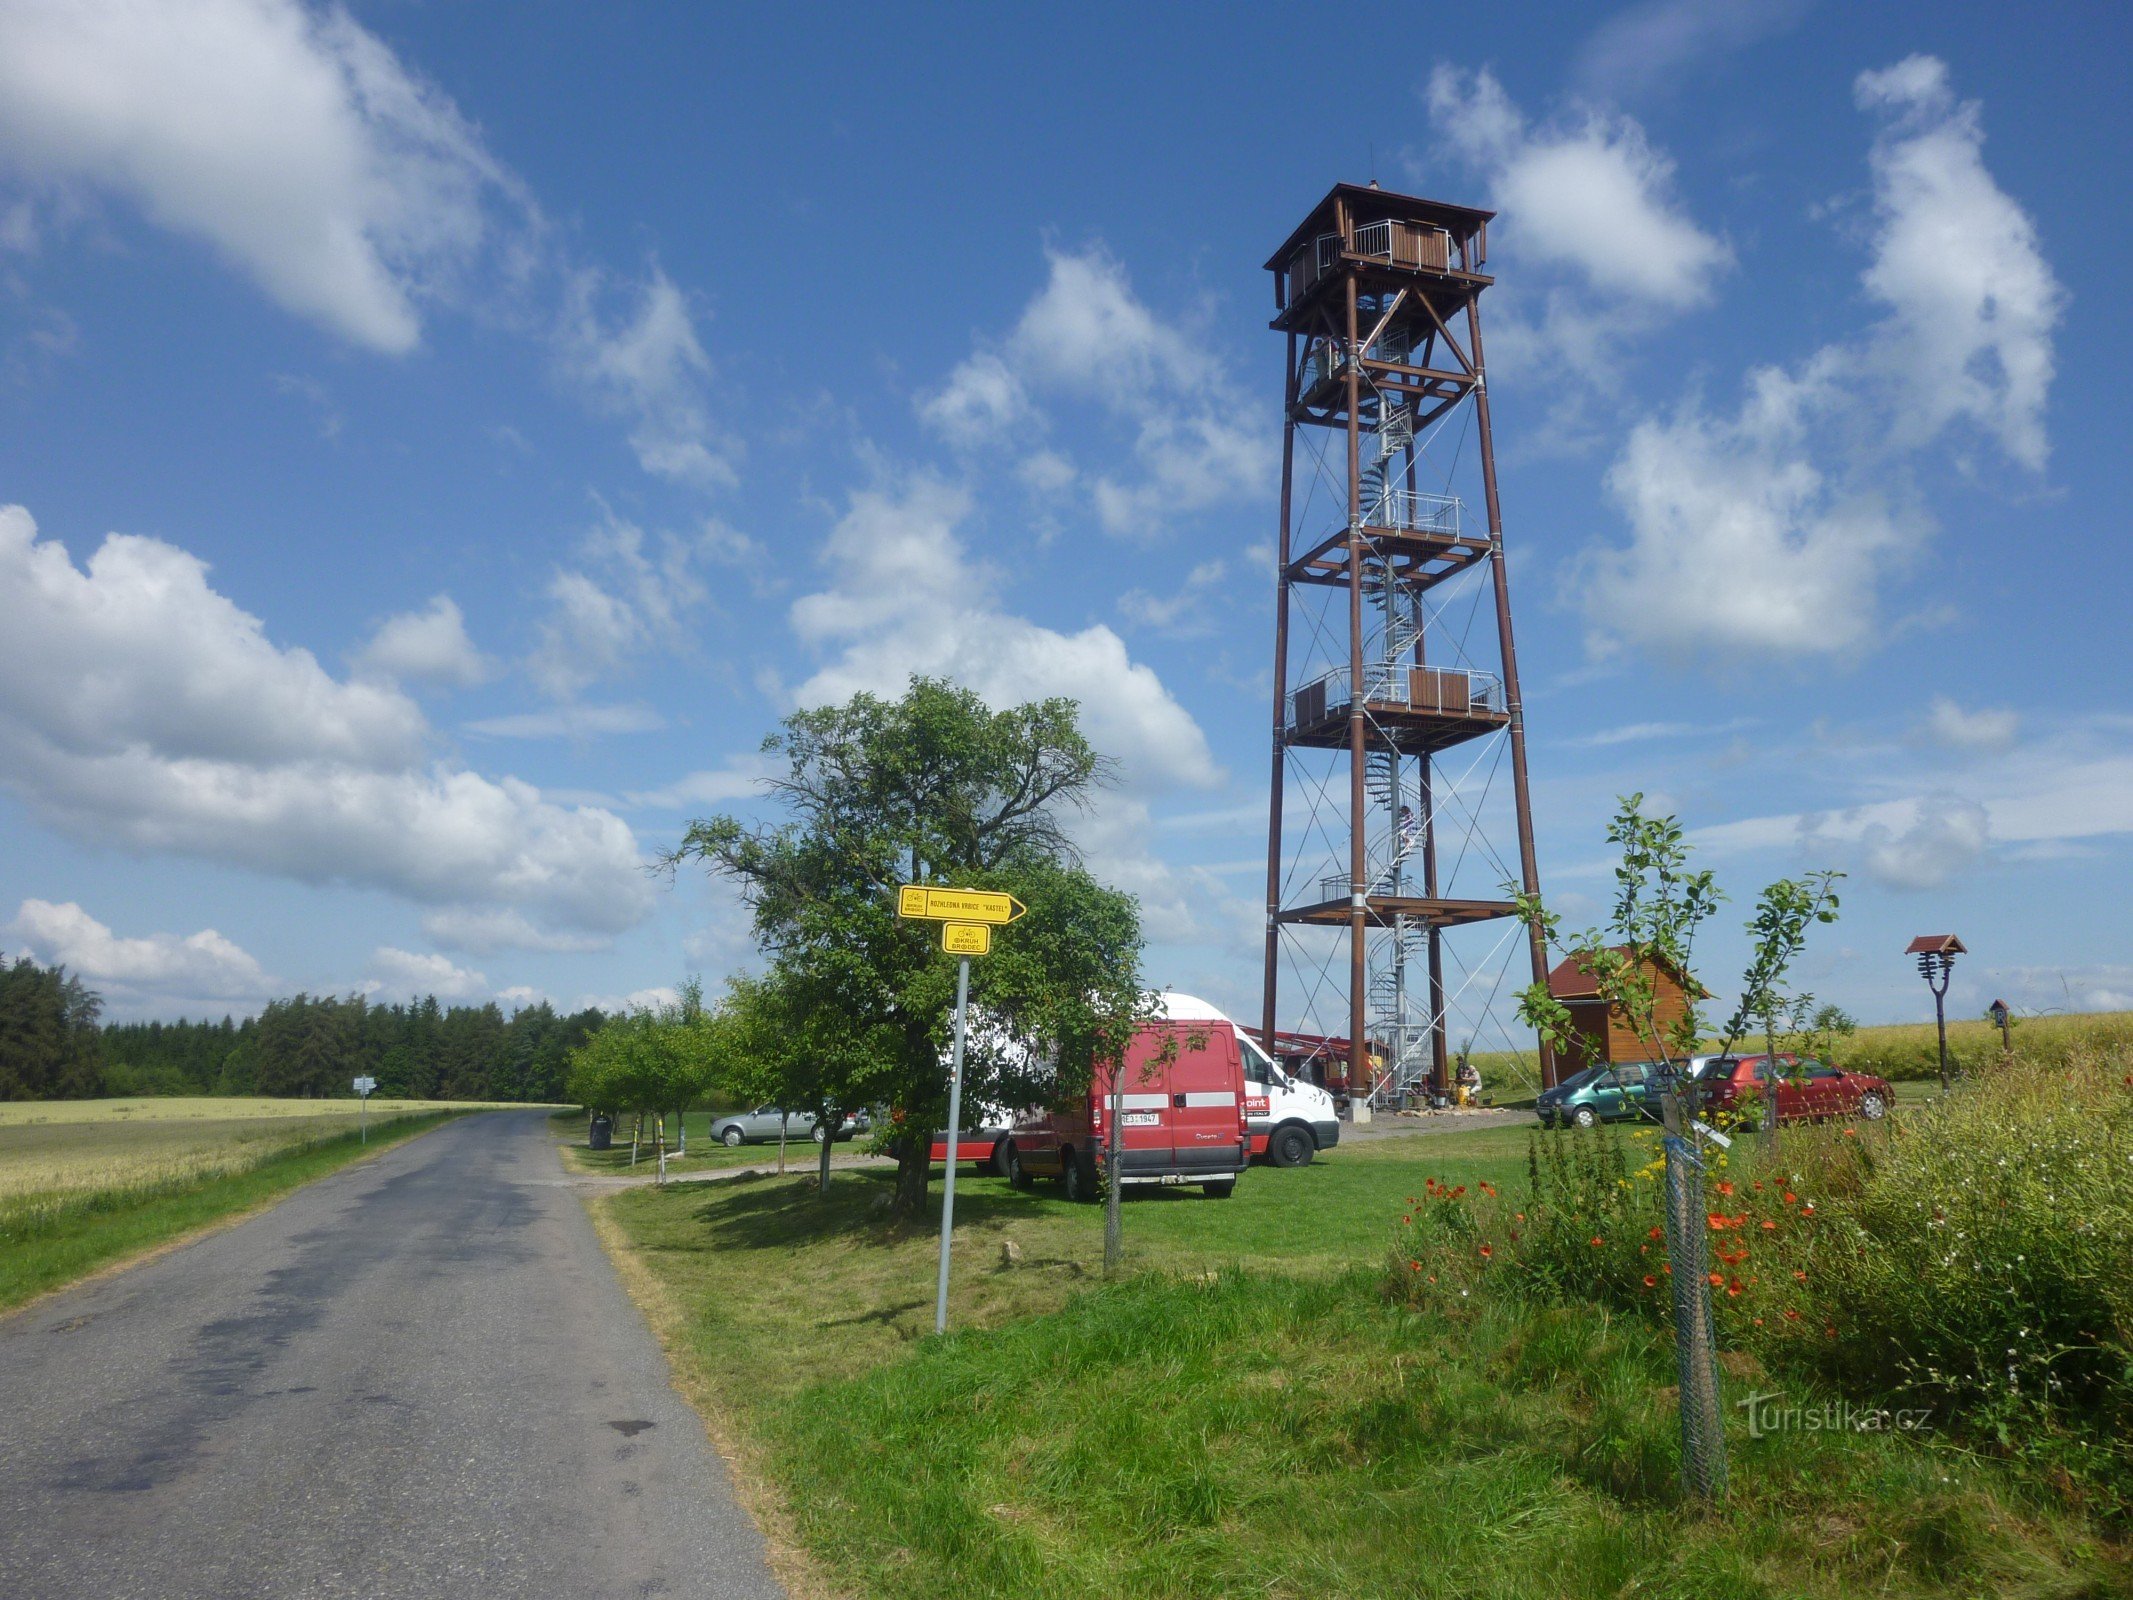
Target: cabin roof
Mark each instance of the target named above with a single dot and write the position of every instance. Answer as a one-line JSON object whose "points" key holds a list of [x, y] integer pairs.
{"points": [[1371, 203], [1571, 983]]}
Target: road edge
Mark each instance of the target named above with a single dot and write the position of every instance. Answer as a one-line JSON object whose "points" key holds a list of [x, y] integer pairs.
{"points": [[754, 1490], [207, 1230]]}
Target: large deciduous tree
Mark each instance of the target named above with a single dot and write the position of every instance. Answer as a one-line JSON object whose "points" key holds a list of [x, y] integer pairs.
{"points": [[933, 786]]}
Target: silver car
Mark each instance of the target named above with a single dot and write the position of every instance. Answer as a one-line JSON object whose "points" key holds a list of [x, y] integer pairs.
{"points": [[764, 1124]]}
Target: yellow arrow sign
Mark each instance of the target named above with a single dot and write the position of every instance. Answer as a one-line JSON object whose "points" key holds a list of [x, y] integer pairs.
{"points": [[966, 938], [929, 904]]}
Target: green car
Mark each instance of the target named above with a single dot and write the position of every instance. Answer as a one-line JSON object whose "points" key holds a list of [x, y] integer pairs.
{"points": [[1599, 1094]]}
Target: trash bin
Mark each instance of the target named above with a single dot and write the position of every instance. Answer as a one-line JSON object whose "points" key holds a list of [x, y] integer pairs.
{"points": [[603, 1133]]}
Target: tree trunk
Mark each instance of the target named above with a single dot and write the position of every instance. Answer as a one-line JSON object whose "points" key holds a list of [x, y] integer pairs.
{"points": [[783, 1122], [914, 1164], [825, 1162]]}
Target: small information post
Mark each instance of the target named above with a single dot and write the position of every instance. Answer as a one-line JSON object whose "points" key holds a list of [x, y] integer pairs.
{"points": [[967, 918], [363, 1087]]}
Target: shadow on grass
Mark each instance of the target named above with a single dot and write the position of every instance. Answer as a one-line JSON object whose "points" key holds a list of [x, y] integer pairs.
{"points": [[762, 1210]]}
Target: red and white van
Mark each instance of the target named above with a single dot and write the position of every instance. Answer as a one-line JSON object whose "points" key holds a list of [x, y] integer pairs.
{"points": [[1183, 1121], [984, 1143]]}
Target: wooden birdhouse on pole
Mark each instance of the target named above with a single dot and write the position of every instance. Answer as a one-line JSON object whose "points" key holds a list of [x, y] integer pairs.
{"points": [[1605, 1034]]}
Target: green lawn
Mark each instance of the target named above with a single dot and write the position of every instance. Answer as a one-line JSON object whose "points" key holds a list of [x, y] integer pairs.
{"points": [[1245, 1414], [706, 1154]]}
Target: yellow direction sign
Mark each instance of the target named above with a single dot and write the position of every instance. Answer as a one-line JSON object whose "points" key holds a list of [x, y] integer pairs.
{"points": [[966, 938], [929, 904]]}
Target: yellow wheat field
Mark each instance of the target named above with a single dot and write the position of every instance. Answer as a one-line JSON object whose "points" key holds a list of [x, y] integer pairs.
{"points": [[56, 1152]]}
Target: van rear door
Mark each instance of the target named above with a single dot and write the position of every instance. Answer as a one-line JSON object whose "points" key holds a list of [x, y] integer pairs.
{"points": [[1206, 1086]]}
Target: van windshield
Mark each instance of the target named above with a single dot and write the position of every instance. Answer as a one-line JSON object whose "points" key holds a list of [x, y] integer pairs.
{"points": [[1258, 1066]]}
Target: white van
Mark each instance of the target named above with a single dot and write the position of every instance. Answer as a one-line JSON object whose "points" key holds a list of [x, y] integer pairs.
{"points": [[1290, 1119]]}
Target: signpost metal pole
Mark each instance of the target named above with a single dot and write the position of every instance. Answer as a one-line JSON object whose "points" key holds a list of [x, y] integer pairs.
{"points": [[363, 1086], [955, 1123]]}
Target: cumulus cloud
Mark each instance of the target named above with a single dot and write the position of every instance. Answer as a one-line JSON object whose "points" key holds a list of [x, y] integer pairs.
{"points": [[1972, 301], [291, 141], [1946, 835], [905, 597], [1087, 337], [1592, 194], [1741, 544], [409, 975], [1774, 527], [201, 966], [626, 592], [139, 707], [1985, 730], [427, 646], [648, 366]]}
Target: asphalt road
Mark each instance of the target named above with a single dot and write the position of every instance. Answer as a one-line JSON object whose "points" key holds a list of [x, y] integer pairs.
{"points": [[418, 1377]]}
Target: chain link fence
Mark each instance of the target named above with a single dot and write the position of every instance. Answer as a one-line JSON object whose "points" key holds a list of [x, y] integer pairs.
{"points": [[1703, 1438]]}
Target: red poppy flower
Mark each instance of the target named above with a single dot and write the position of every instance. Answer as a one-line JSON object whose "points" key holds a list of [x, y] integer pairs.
{"points": [[1799, 1276], [1790, 1197], [1808, 1209], [1733, 1290], [1486, 1252], [1414, 1266], [1717, 1222], [1596, 1241], [1715, 1279], [1725, 1187], [1650, 1282], [1769, 1226], [1791, 1315], [1488, 1188], [1656, 1232]]}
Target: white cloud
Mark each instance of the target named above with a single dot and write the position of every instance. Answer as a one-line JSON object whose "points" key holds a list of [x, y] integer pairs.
{"points": [[1739, 544], [981, 398], [1949, 725], [1772, 530], [1086, 336], [656, 998], [1655, 44], [1190, 612], [905, 598], [742, 777], [484, 931], [570, 722], [629, 592], [2106, 986], [1972, 300], [430, 645], [1639, 732], [1592, 195], [289, 140], [1946, 835], [519, 996], [141, 708], [201, 965], [650, 368], [405, 974]]}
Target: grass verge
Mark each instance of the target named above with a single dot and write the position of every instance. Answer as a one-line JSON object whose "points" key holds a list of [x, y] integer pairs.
{"points": [[1247, 1414], [67, 1238]]}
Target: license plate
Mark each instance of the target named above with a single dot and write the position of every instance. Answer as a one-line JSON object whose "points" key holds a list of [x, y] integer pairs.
{"points": [[1142, 1119]]}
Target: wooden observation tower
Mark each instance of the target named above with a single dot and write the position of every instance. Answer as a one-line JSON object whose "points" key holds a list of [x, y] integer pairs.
{"points": [[1387, 672]]}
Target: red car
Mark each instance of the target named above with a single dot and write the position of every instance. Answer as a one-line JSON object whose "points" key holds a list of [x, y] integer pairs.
{"points": [[1807, 1091]]}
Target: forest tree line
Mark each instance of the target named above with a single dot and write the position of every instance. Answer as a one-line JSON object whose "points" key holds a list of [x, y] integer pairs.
{"points": [[54, 1045]]}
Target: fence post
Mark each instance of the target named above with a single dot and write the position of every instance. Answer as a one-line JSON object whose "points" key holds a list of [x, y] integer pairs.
{"points": [[1703, 1439]]}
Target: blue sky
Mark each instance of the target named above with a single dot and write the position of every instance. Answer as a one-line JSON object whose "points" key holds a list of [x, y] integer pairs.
{"points": [[441, 440]]}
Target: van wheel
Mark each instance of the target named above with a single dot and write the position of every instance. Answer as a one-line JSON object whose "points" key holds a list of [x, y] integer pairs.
{"points": [[995, 1165], [732, 1139], [1292, 1146], [1017, 1173], [822, 1134], [1078, 1171], [1585, 1117], [1219, 1191]]}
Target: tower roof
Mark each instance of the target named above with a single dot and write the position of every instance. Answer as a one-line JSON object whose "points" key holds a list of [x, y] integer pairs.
{"points": [[1369, 203]]}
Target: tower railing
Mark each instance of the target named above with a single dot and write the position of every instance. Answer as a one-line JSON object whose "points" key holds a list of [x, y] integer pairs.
{"points": [[1399, 685], [1409, 511]]}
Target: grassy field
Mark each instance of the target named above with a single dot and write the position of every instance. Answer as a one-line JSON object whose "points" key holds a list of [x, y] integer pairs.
{"points": [[706, 1154], [1245, 1413], [84, 1183], [1898, 1051]]}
